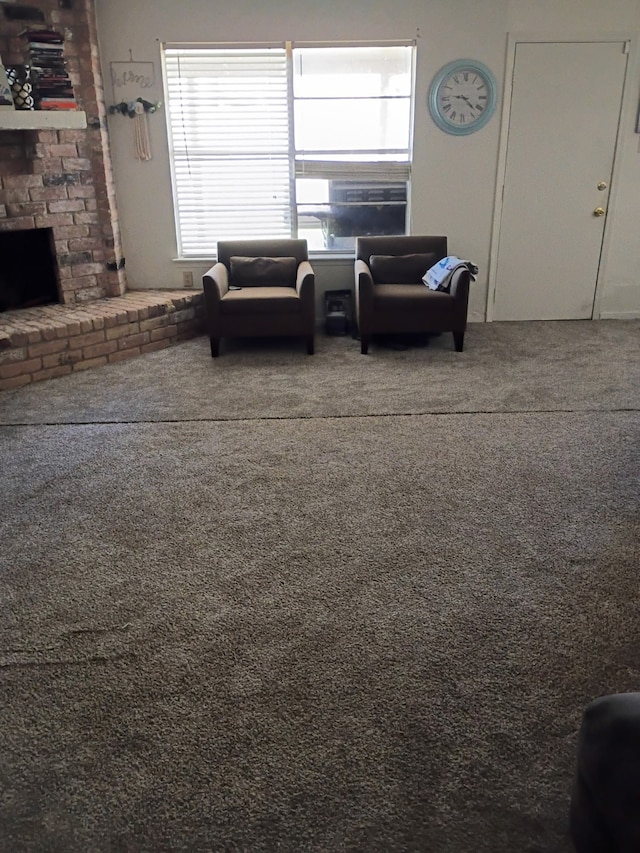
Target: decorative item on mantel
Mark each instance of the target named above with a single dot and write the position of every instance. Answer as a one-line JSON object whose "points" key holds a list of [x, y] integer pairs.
{"points": [[52, 87], [6, 100], [19, 77]]}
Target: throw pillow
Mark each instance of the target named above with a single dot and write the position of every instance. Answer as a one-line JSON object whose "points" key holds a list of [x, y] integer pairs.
{"points": [[258, 272], [401, 269]]}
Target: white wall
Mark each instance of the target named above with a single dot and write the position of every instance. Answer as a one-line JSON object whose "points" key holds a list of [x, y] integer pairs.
{"points": [[454, 178]]}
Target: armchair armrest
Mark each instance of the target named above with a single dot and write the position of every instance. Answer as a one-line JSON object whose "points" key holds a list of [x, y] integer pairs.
{"points": [[364, 302], [459, 290], [364, 278], [216, 281], [364, 297], [460, 281], [363, 274], [306, 289], [305, 278]]}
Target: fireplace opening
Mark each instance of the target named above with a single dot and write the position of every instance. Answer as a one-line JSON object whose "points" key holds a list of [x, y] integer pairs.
{"points": [[28, 269]]}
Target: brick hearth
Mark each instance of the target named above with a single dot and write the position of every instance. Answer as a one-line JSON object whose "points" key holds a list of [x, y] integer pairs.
{"points": [[55, 340]]}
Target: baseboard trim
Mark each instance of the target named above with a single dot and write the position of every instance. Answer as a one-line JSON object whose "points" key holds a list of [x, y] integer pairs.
{"points": [[620, 315]]}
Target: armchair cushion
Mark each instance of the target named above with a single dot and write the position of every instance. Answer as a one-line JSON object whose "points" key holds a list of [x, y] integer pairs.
{"points": [[261, 271], [407, 297], [261, 301], [401, 269]]}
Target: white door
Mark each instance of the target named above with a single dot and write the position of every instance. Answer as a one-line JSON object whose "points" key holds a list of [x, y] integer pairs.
{"points": [[565, 108]]}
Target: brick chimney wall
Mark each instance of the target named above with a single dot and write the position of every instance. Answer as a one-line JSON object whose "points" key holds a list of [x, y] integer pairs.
{"points": [[63, 179]]}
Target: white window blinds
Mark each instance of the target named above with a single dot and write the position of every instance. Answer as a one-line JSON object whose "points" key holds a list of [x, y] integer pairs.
{"points": [[228, 116]]}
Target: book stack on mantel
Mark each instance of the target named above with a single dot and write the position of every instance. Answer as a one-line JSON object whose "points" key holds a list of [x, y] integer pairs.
{"points": [[52, 89]]}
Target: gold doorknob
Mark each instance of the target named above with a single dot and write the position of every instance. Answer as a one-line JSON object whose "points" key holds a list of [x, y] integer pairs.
{"points": [[599, 211]]}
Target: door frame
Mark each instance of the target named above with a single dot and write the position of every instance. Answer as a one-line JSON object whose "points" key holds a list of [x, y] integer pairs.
{"points": [[513, 39]]}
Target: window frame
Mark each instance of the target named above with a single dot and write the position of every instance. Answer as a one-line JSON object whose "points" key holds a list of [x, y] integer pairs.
{"points": [[398, 170]]}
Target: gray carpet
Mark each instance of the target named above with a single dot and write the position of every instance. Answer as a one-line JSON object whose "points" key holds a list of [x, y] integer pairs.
{"points": [[330, 603]]}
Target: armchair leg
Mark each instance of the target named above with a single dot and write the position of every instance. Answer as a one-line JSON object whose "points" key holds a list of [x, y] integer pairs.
{"points": [[458, 340], [310, 345], [364, 344], [215, 347]]}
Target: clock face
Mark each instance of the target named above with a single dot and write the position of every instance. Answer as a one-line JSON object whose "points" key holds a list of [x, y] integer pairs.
{"points": [[462, 97]]}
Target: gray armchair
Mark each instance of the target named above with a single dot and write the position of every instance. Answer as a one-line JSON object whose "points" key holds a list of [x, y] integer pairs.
{"points": [[390, 295], [605, 799], [260, 288]]}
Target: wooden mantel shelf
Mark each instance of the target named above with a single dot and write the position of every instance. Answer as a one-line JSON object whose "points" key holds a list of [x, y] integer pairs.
{"points": [[42, 120]]}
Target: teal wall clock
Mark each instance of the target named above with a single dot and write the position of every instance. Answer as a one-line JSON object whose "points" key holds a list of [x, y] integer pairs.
{"points": [[462, 96]]}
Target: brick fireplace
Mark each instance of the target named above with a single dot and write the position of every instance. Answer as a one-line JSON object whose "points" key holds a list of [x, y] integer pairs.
{"points": [[62, 180]]}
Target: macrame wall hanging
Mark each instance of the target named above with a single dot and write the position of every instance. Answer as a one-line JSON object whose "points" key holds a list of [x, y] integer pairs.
{"points": [[138, 111], [141, 133], [128, 79]]}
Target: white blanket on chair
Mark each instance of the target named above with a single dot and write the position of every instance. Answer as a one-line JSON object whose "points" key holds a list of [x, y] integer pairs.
{"points": [[439, 276]]}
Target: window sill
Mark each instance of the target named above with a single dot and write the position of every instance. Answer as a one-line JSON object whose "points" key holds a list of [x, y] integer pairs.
{"points": [[334, 257]]}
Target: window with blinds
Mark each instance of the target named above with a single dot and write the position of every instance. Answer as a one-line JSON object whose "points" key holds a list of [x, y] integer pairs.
{"points": [[289, 141]]}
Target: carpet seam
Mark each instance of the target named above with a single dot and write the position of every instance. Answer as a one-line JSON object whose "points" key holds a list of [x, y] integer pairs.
{"points": [[443, 413]]}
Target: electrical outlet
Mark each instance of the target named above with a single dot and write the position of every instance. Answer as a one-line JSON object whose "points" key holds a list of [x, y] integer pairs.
{"points": [[187, 279]]}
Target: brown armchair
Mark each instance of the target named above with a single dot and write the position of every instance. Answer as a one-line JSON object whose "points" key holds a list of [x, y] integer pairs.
{"points": [[260, 288], [390, 295]]}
